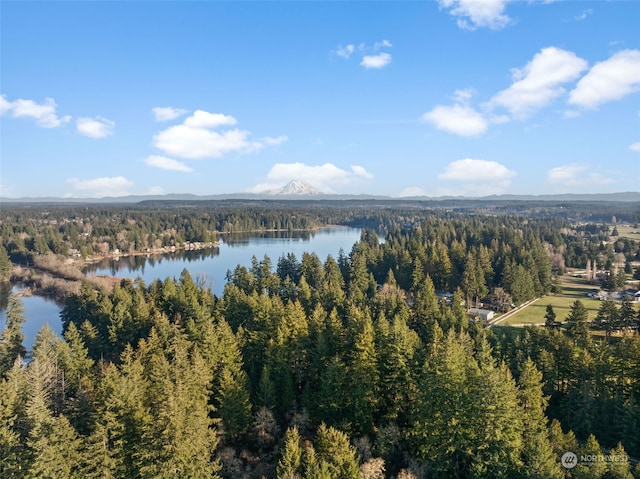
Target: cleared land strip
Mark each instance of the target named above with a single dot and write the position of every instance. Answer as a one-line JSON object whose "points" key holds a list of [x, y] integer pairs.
{"points": [[502, 317]]}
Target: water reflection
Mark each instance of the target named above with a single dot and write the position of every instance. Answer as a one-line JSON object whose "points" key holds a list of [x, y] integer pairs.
{"points": [[137, 264]]}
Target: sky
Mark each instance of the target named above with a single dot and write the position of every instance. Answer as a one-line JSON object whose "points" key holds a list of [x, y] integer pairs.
{"points": [[402, 98]]}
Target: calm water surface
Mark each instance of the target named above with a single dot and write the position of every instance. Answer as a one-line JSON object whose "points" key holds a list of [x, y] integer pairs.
{"points": [[212, 264]]}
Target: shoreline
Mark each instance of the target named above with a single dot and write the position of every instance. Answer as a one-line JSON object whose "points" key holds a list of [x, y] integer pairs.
{"points": [[57, 276]]}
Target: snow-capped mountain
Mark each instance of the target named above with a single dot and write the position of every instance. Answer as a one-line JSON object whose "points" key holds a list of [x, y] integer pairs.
{"points": [[295, 187]]}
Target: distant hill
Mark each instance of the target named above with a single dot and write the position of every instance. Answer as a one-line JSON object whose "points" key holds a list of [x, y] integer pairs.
{"points": [[299, 190]]}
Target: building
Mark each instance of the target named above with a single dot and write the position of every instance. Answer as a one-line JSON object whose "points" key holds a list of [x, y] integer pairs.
{"points": [[483, 314]]}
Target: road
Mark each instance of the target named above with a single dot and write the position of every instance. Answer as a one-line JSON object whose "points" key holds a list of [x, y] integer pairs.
{"points": [[502, 317]]}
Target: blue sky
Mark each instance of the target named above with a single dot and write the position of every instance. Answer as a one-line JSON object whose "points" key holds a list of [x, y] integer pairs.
{"points": [[448, 97]]}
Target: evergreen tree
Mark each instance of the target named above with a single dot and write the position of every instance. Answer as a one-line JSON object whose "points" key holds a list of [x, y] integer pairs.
{"points": [[608, 317], [593, 469], [362, 373], [577, 322], [12, 453], [550, 317], [332, 446], [12, 337], [5, 264], [537, 454], [290, 463]]}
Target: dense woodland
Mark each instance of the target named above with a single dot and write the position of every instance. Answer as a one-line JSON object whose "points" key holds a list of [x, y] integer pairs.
{"points": [[346, 367]]}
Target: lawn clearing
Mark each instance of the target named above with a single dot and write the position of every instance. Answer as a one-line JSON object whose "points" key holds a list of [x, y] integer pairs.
{"points": [[626, 231], [572, 289]]}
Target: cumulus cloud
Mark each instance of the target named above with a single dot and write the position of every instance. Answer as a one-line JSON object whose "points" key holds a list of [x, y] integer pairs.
{"points": [[165, 163], [470, 169], [477, 177], [101, 187], [324, 177], [204, 119], [609, 80], [378, 61], [635, 146], [539, 82], [457, 119], [199, 137], [472, 14], [345, 52], [167, 113], [372, 60], [44, 113], [97, 127], [575, 175]]}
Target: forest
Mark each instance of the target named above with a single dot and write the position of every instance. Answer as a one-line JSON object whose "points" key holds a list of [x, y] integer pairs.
{"points": [[327, 368]]}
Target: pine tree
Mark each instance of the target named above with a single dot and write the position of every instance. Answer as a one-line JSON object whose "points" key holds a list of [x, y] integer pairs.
{"points": [[619, 466], [180, 442], [332, 446], [537, 454], [577, 322], [593, 469], [233, 405], [12, 452], [290, 463], [12, 337], [5, 264], [550, 317], [362, 375]]}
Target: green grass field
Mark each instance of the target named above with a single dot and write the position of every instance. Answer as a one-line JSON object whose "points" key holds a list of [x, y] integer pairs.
{"points": [[572, 289], [628, 232]]}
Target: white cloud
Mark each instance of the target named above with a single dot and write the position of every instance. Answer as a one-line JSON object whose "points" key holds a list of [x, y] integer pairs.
{"points": [[165, 163], [539, 82], [635, 146], [476, 178], [576, 175], [204, 119], [44, 113], [473, 170], [97, 127], [584, 14], [268, 140], [373, 60], [457, 119], [382, 44], [155, 190], [380, 60], [361, 172], [166, 113], [197, 138], [323, 177], [566, 173], [463, 96], [345, 52], [101, 187], [609, 80], [472, 14]]}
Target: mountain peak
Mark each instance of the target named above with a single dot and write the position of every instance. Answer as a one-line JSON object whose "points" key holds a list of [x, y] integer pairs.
{"points": [[295, 187]]}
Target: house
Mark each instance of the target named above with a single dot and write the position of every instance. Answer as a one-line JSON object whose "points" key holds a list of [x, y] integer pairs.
{"points": [[444, 296], [631, 295], [483, 314]]}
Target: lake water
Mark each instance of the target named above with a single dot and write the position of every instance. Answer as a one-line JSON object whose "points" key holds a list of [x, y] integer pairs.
{"points": [[212, 264]]}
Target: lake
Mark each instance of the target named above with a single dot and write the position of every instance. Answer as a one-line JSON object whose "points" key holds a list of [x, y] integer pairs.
{"points": [[211, 264]]}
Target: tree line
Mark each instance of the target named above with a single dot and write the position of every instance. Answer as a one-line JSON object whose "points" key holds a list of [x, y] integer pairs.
{"points": [[347, 367]]}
